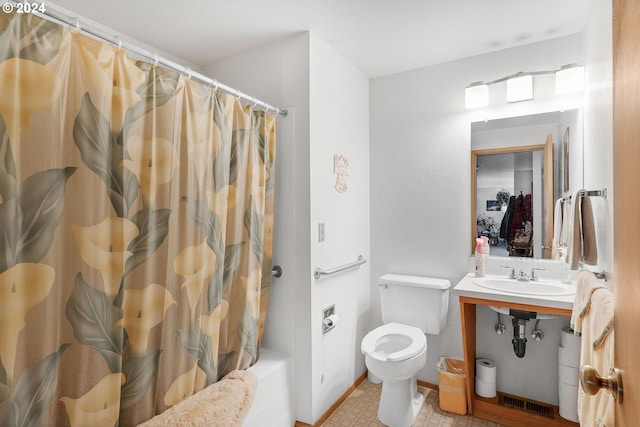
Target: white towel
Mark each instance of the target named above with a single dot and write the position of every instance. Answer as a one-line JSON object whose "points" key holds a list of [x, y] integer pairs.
{"points": [[597, 351], [586, 285], [225, 403], [557, 229]]}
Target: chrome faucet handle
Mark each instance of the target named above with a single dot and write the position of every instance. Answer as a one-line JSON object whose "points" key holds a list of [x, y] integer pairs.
{"points": [[533, 275], [512, 274]]}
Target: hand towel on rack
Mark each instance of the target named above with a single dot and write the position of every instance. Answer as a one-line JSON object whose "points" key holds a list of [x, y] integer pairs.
{"points": [[589, 242], [597, 351], [583, 244], [575, 240], [557, 229], [567, 222]]}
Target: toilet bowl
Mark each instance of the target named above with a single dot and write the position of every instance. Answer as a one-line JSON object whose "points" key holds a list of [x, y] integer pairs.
{"points": [[411, 306], [395, 353]]}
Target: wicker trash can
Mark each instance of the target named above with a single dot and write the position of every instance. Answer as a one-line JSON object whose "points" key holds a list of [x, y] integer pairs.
{"points": [[451, 382]]}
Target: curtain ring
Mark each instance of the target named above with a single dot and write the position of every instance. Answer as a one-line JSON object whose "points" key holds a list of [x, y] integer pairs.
{"points": [[156, 59], [75, 25], [188, 72], [239, 96], [118, 42], [214, 83]]}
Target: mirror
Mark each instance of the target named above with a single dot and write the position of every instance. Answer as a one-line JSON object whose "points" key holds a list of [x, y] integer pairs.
{"points": [[519, 166]]}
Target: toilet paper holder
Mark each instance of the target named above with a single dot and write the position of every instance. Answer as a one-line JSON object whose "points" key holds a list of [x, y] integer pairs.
{"points": [[329, 318]]}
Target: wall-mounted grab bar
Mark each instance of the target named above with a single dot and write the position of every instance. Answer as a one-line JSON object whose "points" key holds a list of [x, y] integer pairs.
{"points": [[318, 272]]}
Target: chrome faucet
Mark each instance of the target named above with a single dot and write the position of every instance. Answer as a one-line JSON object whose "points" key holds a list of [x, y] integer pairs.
{"points": [[533, 277], [512, 273], [522, 276]]}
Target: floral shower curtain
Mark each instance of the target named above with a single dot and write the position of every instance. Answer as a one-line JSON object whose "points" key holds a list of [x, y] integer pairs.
{"points": [[136, 225]]}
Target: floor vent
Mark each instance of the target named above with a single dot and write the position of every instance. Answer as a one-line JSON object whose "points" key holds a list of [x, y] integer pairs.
{"points": [[532, 406]]}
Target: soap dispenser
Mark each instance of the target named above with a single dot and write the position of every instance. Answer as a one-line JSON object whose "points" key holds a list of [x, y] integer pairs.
{"points": [[485, 245], [480, 270]]}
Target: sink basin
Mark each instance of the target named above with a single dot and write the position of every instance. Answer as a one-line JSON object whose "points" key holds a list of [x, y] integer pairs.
{"points": [[524, 288]]}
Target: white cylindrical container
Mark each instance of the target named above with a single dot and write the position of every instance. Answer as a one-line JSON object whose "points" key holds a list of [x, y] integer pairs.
{"points": [[568, 402], [485, 389], [568, 375], [568, 340], [486, 370], [568, 357]]}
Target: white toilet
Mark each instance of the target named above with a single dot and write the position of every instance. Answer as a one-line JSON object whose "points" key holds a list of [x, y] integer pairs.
{"points": [[394, 352]]}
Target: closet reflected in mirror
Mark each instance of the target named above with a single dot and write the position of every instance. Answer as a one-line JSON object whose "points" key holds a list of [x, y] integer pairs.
{"points": [[518, 167]]}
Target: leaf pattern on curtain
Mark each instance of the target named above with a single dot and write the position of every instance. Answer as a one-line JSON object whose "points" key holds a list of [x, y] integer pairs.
{"points": [[136, 230]]}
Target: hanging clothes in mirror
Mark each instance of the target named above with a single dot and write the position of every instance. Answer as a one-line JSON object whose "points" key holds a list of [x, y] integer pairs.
{"points": [[521, 228]]}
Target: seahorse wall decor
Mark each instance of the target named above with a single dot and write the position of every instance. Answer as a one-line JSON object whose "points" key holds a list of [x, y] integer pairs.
{"points": [[341, 169]]}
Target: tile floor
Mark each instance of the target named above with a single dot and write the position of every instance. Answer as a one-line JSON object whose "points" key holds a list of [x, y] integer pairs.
{"points": [[360, 409]]}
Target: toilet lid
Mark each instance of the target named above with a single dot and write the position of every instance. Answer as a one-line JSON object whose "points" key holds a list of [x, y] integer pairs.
{"points": [[417, 337]]}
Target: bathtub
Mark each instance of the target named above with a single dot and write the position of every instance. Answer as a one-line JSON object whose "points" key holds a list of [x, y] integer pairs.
{"points": [[273, 403]]}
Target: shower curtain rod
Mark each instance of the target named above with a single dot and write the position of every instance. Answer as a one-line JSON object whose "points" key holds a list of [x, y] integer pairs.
{"points": [[75, 24]]}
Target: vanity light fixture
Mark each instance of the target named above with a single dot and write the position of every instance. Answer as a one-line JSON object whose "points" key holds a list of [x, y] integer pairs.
{"points": [[520, 87], [569, 79], [476, 95]]}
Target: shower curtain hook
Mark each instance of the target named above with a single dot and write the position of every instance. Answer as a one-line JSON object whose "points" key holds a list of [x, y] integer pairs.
{"points": [[239, 96], [215, 84], [75, 25], [156, 59], [188, 72], [118, 42]]}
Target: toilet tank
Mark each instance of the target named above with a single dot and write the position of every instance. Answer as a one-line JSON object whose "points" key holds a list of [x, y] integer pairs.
{"points": [[418, 301]]}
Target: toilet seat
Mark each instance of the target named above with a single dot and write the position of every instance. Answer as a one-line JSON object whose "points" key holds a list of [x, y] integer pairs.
{"points": [[415, 335]]}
